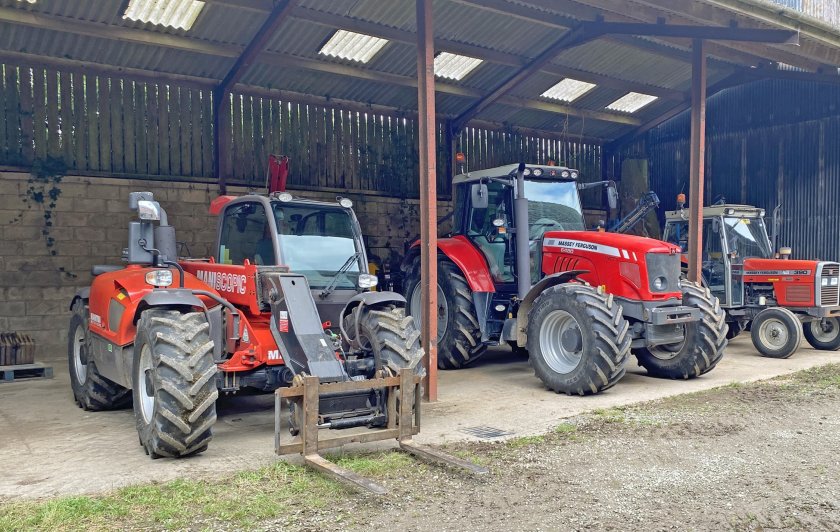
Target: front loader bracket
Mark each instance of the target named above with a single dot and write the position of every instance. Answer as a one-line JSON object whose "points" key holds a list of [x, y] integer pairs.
{"points": [[403, 423]]}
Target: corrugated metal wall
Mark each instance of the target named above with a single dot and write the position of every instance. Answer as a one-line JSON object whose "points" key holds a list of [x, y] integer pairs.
{"points": [[826, 10], [768, 143]]}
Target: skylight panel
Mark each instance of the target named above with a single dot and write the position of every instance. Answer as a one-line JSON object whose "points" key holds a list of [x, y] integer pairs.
{"points": [[568, 90], [179, 14], [27, 1], [453, 66], [631, 102], [353, 46]]}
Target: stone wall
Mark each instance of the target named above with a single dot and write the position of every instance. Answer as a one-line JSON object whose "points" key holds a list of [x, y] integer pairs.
{"points": [[42, 266]]}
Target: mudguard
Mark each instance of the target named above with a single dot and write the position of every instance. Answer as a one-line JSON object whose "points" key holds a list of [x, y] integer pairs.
{"points": [[528, 302], [175, 297], [368, 299], [84, 293], [464, 254]]}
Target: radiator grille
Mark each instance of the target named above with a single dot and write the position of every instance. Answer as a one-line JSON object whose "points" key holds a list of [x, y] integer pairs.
{"points": [[830, 295], [798, 294]]}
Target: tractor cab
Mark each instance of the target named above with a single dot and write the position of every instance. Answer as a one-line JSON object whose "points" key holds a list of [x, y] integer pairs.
{"points": [[320, 240], [731, 233], [486, 217]]}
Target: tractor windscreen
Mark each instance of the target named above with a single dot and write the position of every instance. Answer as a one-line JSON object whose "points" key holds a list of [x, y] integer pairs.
{"points": [[747, 237], [317, 241], [553, 206]]}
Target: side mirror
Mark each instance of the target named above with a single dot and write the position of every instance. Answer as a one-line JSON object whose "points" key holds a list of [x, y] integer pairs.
{"points": [[148, 210], [480, 199], [612, 197], [715, 225]]}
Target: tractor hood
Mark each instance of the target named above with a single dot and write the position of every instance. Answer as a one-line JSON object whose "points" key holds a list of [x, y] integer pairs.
{"points": [[771, 267], [608, 243]]}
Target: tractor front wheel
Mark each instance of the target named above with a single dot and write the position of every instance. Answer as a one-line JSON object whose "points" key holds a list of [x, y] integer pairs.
{"points": [[390, 336], [91, 390], [174, 383], [578, 340], [823, 334], [776, 332], [459, 336], [703, 342]]}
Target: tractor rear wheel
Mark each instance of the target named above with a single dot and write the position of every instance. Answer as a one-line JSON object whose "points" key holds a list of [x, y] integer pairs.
{"points": [[390, 336], [703, 342], [578, 340], [174, 383], [823, 334], [459, 335], [91, 390], [776, 332]]}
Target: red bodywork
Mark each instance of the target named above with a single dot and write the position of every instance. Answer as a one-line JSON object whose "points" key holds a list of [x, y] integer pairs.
{"points": [[469, 260], [794, 281], [615, 261], [119, 294]]}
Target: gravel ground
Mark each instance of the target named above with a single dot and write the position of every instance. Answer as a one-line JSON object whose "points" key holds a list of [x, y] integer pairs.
{"points": [[745, 457]]}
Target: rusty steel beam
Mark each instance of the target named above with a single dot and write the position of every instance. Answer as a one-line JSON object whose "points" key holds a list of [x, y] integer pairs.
{"points": [[697, 162], [428, 191]]}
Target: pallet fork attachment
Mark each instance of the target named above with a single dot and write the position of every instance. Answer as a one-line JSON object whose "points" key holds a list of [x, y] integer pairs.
{"points": [[402, 426]]}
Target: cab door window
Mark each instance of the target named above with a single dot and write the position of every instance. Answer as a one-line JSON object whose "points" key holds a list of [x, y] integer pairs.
{"points": [[496, 245], [246, 234]]}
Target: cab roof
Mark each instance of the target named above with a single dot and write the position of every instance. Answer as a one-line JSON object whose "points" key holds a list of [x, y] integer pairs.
{"points": [[549, 173], [727, 209]]}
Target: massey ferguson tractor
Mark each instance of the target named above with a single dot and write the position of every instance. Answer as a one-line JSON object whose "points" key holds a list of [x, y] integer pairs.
{"points": [[519, 267], [777, 298], [284, 297]]}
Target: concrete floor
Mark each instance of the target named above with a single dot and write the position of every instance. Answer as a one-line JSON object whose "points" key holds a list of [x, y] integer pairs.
{"points": [[49, 447]]}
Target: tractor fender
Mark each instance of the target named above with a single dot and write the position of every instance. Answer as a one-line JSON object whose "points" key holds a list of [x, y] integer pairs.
{"points": [[83, 295], [368, 299], [528, 302], [168, 298], [464, 254]]}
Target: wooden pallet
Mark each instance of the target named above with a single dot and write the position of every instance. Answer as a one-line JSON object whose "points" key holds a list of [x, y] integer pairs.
{"points": [[25, 372]]}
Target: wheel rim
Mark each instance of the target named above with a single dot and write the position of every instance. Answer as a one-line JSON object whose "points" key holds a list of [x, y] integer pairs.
{"points": [[443, 310], [147, 396], [79, 366], [668, 351], [774, 334], [561, 341], [825, 330]]}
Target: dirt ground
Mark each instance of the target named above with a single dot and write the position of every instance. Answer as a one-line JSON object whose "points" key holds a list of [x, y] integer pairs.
{"points": [[745, 457]]}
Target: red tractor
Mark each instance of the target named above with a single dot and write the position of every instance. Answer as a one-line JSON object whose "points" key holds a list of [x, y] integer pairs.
{"points": [[284, 296], [519, 267], [777, 298]]}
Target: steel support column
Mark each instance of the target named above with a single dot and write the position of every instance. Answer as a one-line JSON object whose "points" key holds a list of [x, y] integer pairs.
{"points": [[697, 163], [428, 191]]}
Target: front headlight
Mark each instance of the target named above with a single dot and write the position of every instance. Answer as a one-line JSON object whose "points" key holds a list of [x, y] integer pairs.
{"points": [[660, 283], [835, 281], [367, 280], [825, 281], [159, 278]]}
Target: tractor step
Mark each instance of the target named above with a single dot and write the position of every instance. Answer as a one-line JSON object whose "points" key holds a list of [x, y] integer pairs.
{"points": [[25, 371], [403, 423]]}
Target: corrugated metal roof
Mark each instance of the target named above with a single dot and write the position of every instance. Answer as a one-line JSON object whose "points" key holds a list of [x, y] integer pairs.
{"points": [[509, 34]]}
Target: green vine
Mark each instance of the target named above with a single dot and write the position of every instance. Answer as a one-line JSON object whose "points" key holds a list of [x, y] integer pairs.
{"points": [[42, 191]]}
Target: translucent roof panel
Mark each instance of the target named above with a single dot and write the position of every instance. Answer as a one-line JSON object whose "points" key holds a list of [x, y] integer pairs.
{"points": [[179, 14], [353, 46], [454, 66], [631, 102], [568, 90]]}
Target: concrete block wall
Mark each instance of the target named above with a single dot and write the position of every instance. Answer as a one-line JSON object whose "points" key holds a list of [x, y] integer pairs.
{"points": [[89, 226]]}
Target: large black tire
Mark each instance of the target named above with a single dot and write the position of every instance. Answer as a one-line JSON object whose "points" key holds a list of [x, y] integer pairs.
{"points": [[391, 337], [91, 391], [776, 332], [174, 383], [460, 340], [578, 340], [823, 336], [703, 345], [735, 328]]}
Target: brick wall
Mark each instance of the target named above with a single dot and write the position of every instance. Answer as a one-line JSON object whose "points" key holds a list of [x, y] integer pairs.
{"points": [[89, 226]]}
